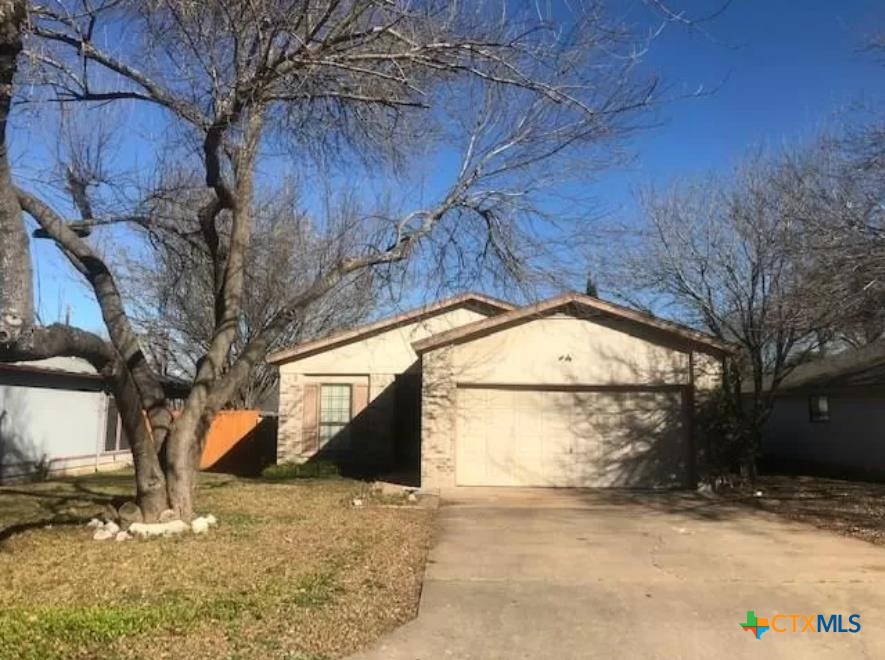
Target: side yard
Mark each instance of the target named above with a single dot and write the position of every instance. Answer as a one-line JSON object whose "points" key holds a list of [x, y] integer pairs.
{"points": [[293, 570], [852, 508]]}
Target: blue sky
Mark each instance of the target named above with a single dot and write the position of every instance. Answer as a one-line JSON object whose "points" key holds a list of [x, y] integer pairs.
{"points": [[777, 72]]}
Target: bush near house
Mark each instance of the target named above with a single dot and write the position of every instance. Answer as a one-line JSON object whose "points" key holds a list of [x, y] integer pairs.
{"points": [[311, 470], [292, 570]]}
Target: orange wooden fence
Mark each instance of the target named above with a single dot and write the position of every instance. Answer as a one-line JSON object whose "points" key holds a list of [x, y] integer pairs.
{"points": [[228, 428]]}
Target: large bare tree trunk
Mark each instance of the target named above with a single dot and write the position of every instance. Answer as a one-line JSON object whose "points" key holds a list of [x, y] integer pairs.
{"points": [[150, 482], [183, 450], [16, 298]]}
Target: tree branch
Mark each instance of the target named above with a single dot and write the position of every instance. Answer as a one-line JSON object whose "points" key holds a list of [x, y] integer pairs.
{"points": [[59, 340], [153, 90], [107, 295]]}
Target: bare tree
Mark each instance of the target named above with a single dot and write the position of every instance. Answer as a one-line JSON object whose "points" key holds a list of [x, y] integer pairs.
{"points": [[722, 255], [833, 190], [784, 259], [171, 291], [516, 100]]}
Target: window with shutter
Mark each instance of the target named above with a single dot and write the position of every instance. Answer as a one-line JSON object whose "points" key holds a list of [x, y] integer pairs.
{"points": [[335, 409]]}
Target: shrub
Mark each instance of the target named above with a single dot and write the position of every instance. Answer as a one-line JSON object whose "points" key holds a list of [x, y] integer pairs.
{"points": [[41, 469], [289, 470]]}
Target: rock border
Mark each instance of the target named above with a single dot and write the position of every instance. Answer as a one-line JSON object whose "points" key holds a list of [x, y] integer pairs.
{"points": [[106, 530]]}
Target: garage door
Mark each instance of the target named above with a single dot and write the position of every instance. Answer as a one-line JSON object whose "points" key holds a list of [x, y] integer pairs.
{"points": [[523, 437]]}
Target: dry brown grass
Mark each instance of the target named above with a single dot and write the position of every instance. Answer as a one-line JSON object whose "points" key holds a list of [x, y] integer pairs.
{"points": [[292, 571], [852, 508]]}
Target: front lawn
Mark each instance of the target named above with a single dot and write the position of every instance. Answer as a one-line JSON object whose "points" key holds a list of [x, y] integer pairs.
{"points": [[292, 570]]}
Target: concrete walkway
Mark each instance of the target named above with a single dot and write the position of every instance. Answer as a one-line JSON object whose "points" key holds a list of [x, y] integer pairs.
{"points": [[530, 573]]}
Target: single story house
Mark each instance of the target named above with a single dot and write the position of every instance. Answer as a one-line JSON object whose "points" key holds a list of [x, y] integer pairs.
{"points": [[56, 417], [829, 415], [474, 391]]}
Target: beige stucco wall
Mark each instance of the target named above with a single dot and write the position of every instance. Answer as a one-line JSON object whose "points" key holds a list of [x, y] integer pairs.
{"points": [[389, 352], [852, 440], [567, 350], [374, 361], [557, 351], [707, 371]]}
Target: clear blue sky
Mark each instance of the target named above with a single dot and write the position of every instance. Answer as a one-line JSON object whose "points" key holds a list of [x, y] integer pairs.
{"points": [[778, 72]]}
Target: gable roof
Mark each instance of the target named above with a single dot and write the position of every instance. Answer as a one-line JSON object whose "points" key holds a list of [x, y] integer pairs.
{"points": [[861, 367], [476, 301], [702, 340]]}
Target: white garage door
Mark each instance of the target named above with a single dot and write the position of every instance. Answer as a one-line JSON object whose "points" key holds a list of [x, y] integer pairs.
{"points": [[519, 437]]}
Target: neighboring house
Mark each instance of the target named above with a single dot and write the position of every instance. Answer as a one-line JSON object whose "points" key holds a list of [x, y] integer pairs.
{"points": [[56, 418], [829, 416], [572, 391]]}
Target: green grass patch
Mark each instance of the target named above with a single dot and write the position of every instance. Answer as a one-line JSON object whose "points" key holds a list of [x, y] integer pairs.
{"points": [[45, 632], [314, 590]]}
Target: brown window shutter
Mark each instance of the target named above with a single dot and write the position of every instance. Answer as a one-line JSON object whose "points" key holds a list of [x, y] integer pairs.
{"points": [[310, 407], [359, 401]]}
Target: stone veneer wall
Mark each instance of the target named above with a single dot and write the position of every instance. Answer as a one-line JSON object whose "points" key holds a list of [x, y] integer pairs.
{"points": [[289, 429], [438, 409]]}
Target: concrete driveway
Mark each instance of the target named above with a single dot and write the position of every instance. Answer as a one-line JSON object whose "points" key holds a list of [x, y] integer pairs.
{"points": [[532, 573]]}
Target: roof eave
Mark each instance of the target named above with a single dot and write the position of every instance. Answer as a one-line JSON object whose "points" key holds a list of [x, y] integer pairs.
{"points": [[464, 333]]}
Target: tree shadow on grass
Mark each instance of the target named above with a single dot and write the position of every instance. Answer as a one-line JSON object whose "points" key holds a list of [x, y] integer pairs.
{"points": [[73, 500], [850, 508], [853, 508], [66, 501], [18, 528]]}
